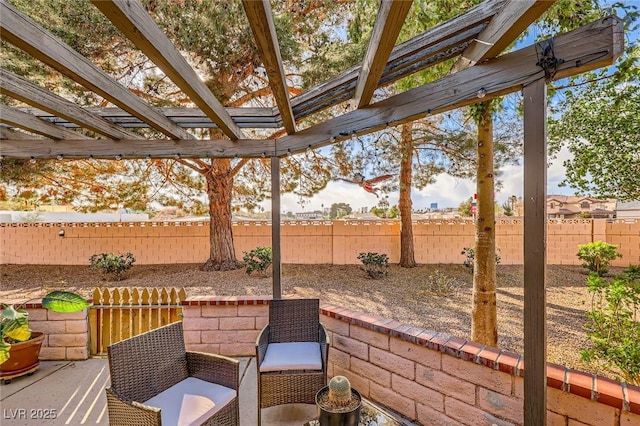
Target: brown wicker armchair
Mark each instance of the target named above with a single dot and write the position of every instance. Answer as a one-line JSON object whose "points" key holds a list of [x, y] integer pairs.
{"points": [[289, 374], [155, 381]]}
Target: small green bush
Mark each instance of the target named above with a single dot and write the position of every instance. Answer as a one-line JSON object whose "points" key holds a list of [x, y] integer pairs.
{"points": [[441, 284], [597, 256], [470, 254], [112, 264], [258, 259], [374, 264], [613, 326]]}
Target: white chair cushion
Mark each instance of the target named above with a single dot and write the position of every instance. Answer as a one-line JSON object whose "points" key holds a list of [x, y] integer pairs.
{"points": [[292, 356], [191, 401]]}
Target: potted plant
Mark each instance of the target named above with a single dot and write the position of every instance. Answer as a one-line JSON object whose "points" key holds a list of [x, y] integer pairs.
{"points": [[338, 404], [19, 346]]}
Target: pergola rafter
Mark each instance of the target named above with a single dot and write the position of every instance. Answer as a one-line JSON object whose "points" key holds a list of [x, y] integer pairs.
{"points": [[264, 33], [24, 33], [508, 24], [31, 123], [17, 87], [386, 29], [131, 18]]}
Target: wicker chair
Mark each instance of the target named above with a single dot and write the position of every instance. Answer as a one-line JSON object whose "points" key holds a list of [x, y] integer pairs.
{"points": [[147, 371], [303, 370]]}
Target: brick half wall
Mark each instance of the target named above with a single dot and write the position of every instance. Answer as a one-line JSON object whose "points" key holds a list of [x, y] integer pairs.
{"points": [[426, 376], [66, 334]]}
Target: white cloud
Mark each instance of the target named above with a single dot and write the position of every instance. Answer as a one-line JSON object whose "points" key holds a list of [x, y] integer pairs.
{"points": [[447, 191]]}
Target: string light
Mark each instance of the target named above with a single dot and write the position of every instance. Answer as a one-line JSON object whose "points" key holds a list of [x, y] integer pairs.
{"points": [[60, 156], [118, 157], [177, 156], [429, 112], [32, 160], [482, 93], [333, 139], [90, 156], [263, 155], [148, 156]]}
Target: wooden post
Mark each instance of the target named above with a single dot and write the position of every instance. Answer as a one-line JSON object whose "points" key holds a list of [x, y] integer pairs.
{"points": [[275, 226], [535, 259]]}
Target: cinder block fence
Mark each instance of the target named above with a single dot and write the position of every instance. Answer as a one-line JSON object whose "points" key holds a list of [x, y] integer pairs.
{"points": [[303, 242]]}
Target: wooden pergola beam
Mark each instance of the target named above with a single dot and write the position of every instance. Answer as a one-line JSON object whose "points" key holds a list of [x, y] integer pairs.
{"points": [[137, 148], [18, 88], [406, 58], [6, 133], [131, 18], [264, 31], [503, 29], [589, 47], [185, 117], [25, 34], [33, 124], [386, 29]]}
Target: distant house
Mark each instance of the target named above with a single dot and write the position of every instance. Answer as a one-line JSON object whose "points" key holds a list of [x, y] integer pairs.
{"points": [[630, 210], [570, 207], [317, 214]]}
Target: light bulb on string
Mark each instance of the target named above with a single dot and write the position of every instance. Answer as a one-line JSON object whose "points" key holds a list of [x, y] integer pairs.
{"points": [[59, 156], [118, 157], [177, 156], [482, 93], [32, 160]]}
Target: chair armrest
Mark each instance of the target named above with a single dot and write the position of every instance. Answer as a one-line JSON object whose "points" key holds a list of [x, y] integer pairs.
{"points": [[324, 340], [263, 340], [214, 369], [123, 412]]}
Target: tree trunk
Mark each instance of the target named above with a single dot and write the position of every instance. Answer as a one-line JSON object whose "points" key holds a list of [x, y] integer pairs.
{"points": [[484, 320], [407, 254], [222, 255]]}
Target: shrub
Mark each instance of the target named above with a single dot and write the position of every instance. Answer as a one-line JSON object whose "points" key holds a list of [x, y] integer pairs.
{"points": [[441, 284], [471, 254], [374, 264], [258, 259], [613, 326], [112, 264], [597, 256]]}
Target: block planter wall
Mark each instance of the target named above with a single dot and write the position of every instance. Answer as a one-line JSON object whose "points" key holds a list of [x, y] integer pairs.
{"points": [[66, 334], [426, 376]]}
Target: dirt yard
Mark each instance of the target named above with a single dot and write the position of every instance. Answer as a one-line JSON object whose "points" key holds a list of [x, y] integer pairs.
{"points": [[404, 294]]}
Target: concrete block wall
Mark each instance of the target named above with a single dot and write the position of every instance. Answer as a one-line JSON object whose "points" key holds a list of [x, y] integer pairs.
{"points": [[428, 377], [66, 334], [303, 242]]}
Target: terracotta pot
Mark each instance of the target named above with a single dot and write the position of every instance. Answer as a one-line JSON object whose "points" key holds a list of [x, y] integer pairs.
{"points": [[23, 357], [327, 417]]}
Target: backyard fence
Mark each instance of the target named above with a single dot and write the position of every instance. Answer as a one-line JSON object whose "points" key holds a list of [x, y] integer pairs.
{"points": [[304, 242], [119, 313]]}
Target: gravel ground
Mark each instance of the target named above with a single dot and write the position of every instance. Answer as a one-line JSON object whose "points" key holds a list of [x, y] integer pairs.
{"points": [[406, 295]]}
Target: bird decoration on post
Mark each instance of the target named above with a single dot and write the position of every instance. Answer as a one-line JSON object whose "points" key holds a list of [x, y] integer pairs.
{"points": [[367, 184]]}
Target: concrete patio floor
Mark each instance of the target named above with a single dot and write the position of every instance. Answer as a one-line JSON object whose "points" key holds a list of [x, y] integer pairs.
{"points": [[72, 393]]}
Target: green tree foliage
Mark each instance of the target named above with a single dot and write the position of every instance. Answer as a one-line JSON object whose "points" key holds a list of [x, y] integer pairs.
{"points": [[613, 327], [601, 130], [339, 210], [465, 208]]}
